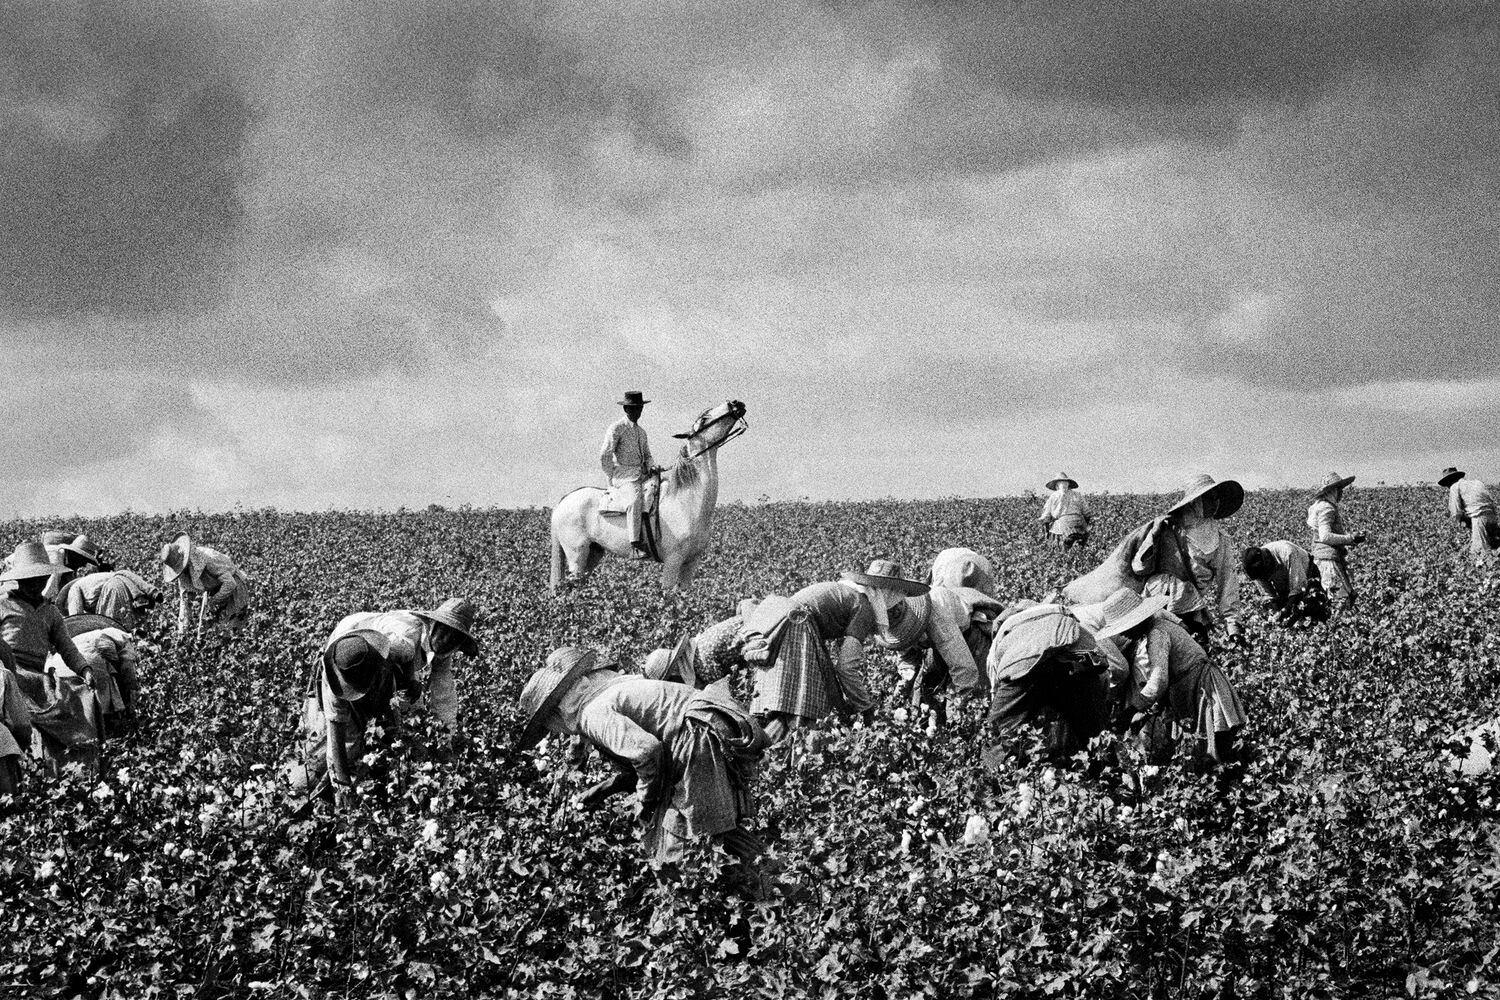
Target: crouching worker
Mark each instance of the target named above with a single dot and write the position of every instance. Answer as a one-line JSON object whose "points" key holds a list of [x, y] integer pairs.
{"points": [[691, 754], [381, 667], [1046, 671], [943, 637], [1171, 675], [1289, 577], [112, 660]]}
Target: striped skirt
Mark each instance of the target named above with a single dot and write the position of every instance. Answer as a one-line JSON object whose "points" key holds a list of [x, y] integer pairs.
{"points": [[800, 681]]}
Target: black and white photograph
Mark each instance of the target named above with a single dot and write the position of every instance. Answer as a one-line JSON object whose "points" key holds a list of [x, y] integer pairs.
{"points": [[877, 499]]}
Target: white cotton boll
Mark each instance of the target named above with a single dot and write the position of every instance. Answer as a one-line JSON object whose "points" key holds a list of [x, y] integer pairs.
{"points": [[1025, 799], [430, 831], [900, 715], [916, 806], [439, 881], [102, 792], [977, 830]]}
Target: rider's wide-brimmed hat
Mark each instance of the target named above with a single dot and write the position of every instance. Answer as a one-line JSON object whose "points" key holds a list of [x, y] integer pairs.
{"points": [[458, 614], [84, 547], [1449, 477], [1125, 609], [884, 574], [1333, 482], [1228, 495], [1062, 477], [675, 664], [634, 397], [79, 624], [175, 557], [547, 687], [29, 561]]}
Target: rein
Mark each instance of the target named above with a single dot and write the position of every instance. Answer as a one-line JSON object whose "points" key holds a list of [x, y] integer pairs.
{"points": [[741, 425]]}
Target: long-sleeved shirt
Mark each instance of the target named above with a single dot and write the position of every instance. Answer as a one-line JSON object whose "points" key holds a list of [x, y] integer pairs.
{"points": [[411, 650], [1065, 510], [1288, 577], [838, 609], [626, 454], [120, 595], [1213, 554], [633, 721], [33, 631], [1327, 523], [1469, 498], [1025, 638]]}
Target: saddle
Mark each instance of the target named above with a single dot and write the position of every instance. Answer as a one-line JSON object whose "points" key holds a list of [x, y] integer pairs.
{"points": [[617, 499]]}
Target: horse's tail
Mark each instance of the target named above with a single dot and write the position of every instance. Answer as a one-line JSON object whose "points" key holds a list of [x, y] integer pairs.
{"points": [[557, 561]]}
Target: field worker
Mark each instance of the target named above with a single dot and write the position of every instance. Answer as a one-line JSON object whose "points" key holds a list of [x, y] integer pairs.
{"points": [[1470, 504], [53, 541], [1171, 674], [1331, 543], [692, 754], [943, 637], [626, 460], [15, 724], [1046, 671], [33, 628], [1065, 515], [797, 681], [959, 567], [99, 589], [1285, 571], [1211, 553], [380, 666], [113, 675], [220, 585]]}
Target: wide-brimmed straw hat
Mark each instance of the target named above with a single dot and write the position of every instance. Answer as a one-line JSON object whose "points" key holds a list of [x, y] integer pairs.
{"points": [[29, 561], [1449, 477], [634, 398], [884, 574], [175, 557], [546, 689], [1062, 477], [1228, 495], [1333, 482], [358, 665], [458, 614], [56, 536], [675, 663], [1125, 609], [79, 624], [84, 546]]}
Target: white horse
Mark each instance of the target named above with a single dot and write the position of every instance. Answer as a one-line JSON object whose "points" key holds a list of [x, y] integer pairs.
{"points": [[581, 535]]}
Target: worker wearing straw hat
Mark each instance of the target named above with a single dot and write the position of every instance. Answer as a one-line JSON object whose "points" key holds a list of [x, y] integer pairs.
{"points": [[1212, 555], [222, 587], [33, 628], [692, 754], [1285, 571], [788, 640], [1331, 543], [626, 460], [1171, 672], [1065, 515], [54, 540], [408, 656], [1471, 505], [100, 589]]}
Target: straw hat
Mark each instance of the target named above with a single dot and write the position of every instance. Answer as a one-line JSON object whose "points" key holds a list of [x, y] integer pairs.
{"points": [[1449, 477], [677, 663], [56, 536], [458, 614], [79, 624], [84, 546], [1126, 609], [884, 574], [546, 689], [358, 665], [175, 557], [1333, 482], [29, 561], [1062, 477], [1228, 495], [634, 398]]}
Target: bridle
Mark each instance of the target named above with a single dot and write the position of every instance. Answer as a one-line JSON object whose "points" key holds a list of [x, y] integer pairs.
{"points": [[741, 425]]}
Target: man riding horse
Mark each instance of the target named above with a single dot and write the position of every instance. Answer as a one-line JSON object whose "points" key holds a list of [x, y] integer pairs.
{"points": [[626, 460]]}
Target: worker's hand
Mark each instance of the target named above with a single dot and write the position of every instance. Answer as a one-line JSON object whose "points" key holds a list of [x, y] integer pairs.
{"points": [[344, 796], [1359, 537]]}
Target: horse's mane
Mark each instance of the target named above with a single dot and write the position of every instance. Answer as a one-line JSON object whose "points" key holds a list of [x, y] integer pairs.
{"points": [[685, 472]]}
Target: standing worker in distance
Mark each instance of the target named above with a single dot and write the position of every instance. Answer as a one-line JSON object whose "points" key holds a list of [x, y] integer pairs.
{"points": [[1066, 516], [1331, 543], [1470, 504], [220, 584]]}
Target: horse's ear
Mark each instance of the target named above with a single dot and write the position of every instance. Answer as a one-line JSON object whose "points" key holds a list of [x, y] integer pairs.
{"points": [[683, 436]]}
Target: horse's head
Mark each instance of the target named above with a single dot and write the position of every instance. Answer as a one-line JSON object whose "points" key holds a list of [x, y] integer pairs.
{"points": [[717, 425]]}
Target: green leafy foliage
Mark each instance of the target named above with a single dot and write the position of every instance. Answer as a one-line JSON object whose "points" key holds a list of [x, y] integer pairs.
{"points": [[1343, 858]]}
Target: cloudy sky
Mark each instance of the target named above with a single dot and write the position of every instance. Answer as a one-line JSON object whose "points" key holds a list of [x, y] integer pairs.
{"points": [[386, 253]]}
